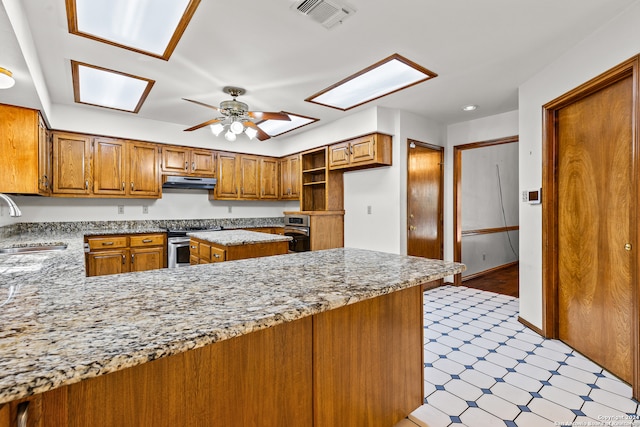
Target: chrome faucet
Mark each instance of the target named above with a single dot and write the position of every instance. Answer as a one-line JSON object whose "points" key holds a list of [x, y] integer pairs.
{"points": [[14, 210]]}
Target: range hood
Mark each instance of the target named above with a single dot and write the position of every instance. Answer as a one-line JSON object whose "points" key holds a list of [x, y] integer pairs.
{"points": [[191, 182]]}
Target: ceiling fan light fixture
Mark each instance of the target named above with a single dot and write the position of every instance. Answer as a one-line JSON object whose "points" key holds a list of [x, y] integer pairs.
{"points": [[217, 128], [6, 79], [230, 136], [236, 127], [251, 133]]}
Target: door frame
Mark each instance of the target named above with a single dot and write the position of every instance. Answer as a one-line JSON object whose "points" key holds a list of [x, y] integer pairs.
{"points": [[550, 198], [440, 150], [457, 192]]}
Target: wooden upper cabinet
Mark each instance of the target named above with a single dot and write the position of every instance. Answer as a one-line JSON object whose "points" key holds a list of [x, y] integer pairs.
{"points": [[227, 185], [269, 178], [290, 177], [71, 164], [143, 170], [364, 152], [249, 177], [24, 152], [109, 166], [178, 160]]}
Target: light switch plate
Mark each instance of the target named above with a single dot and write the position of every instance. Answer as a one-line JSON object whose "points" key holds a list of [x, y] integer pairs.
{"points": [[120, 209]]}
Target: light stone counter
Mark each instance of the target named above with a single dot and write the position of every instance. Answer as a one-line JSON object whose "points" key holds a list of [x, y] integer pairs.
{"points": [[58, 327], [238, 237]]}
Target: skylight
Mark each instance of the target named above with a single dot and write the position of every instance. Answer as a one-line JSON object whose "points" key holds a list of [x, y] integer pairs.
{"points": [[108, 88], [383, 78], [152, 27], [278, 127]]}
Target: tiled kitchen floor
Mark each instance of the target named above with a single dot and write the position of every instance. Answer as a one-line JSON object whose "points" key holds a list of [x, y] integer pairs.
{"points": [[484, 368]]}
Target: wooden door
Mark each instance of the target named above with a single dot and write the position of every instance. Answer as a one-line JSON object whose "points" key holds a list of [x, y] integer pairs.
{"points": [[363, 150], [203, 162], [249, 177], [268, 178], [175, 160], [100, 263], [227, 185], [144, 179], [71, 163], [290, 177], [595, 208], [339, 155], [143, 259], [425, 200], [109, 166], [18, 150]]}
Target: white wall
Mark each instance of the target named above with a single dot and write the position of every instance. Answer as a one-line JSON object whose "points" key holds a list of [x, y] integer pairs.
{"points": [[484, 129], [610, 45], [489, 202]]}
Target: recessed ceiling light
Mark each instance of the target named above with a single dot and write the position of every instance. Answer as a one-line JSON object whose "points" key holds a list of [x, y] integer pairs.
{"points": [[102, 87], [278, 127], [152, 27], [469, 107], [382, 78]]}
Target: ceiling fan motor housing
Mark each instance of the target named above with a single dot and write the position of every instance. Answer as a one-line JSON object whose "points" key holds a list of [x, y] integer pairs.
{"points": [[235, 108]]}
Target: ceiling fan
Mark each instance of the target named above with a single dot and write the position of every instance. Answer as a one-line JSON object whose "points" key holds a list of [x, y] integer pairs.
{"points": [[237, 117]]}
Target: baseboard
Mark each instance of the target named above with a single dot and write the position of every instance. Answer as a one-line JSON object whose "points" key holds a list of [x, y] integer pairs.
{"points": [[530, 326], [491, 270]]}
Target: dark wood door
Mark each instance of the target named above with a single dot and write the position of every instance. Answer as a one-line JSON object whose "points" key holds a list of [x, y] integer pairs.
{"points": [[595, 211], [425, 201]]}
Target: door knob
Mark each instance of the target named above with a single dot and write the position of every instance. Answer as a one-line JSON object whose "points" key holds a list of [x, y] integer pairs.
{"points": [[627, 247]]}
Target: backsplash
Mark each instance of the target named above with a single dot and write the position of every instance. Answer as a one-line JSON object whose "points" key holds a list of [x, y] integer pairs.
{"points": [[128, 226]]}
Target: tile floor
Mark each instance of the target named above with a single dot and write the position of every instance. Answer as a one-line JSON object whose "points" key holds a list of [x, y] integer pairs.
{"points": [[484, 368]]}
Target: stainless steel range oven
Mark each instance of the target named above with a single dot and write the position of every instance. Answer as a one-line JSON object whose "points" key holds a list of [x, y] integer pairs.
{"points": [[297, 226], [178, 245]]}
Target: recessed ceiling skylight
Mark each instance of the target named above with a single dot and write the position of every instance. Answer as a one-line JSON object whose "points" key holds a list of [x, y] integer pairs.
{"points": [[278, 127], [152, 27], [108, 88], [383, 78]]}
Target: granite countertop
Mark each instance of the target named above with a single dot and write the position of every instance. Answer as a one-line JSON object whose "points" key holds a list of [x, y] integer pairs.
{"points": [[238, 237], [58, 327]]}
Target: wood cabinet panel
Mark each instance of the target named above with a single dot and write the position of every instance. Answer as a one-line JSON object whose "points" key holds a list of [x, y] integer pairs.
{"points": [[143, 170], [107, 242], [143, 259], [71, 164], [5, 416], [290, 177], [203, 162], [249, 177], [124, 253], [339, 154], [363, 152], [146, 240], [23, 159], [44, 159], [112, 261], [227, 185], [109, 166], [177, 160], [269, 178]]}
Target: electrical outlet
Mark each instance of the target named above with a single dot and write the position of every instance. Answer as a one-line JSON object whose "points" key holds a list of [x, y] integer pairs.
{"points": [[525, 196], [145, 209], [120, 209], [484, 257], [229, 210], [368, 210]]}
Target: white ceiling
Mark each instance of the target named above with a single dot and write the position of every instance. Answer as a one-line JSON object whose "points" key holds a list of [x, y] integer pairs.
{"points": [[481, 50]]}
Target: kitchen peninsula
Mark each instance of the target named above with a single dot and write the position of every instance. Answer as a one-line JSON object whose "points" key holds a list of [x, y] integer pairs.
{"points": [[318, 338]]}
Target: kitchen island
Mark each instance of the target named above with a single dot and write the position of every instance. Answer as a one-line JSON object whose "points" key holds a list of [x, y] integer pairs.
{"points": [[319, 338], [230, 245]]}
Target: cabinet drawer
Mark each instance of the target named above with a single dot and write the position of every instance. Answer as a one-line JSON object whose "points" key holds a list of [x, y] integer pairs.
{"points": [[96, 243], [217, 255], [147, 240]]}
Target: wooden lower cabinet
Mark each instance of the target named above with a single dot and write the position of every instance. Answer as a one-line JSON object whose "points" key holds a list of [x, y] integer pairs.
{"points": [[359, 365], [116, 254], [205, 252]]}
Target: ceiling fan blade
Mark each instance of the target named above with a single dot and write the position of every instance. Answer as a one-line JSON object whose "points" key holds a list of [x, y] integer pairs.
{"points": [[262, 135], [263, 115], [201, 125], [202, 103]]}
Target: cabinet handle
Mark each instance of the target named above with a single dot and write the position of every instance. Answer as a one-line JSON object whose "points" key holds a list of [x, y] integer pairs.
{"points": [[186, 165], [351, 149], [193, 247], [86, 184], [131, 185], [122, 185], [216, 256], [107, 243], [193, 166], [132, 258], [124, 259], [23, 414], [147, 240]]}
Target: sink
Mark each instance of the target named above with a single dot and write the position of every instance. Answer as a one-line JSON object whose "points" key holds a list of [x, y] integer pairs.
{"points": [[39, 247]]}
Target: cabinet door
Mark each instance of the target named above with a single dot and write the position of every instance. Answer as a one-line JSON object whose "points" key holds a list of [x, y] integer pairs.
{"points": [[109, 166], [339, 155], [363, 150], [227, 185], [203, 162], [249, 177], [175, 160], [143, 259], [71, 163], [18, 150], [107, 262], [269, 178], [44, 158], [294, 176], [144, 176]]}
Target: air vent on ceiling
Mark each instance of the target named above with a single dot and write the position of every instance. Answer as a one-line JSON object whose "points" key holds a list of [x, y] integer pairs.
{"points": [[327, 13]]}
